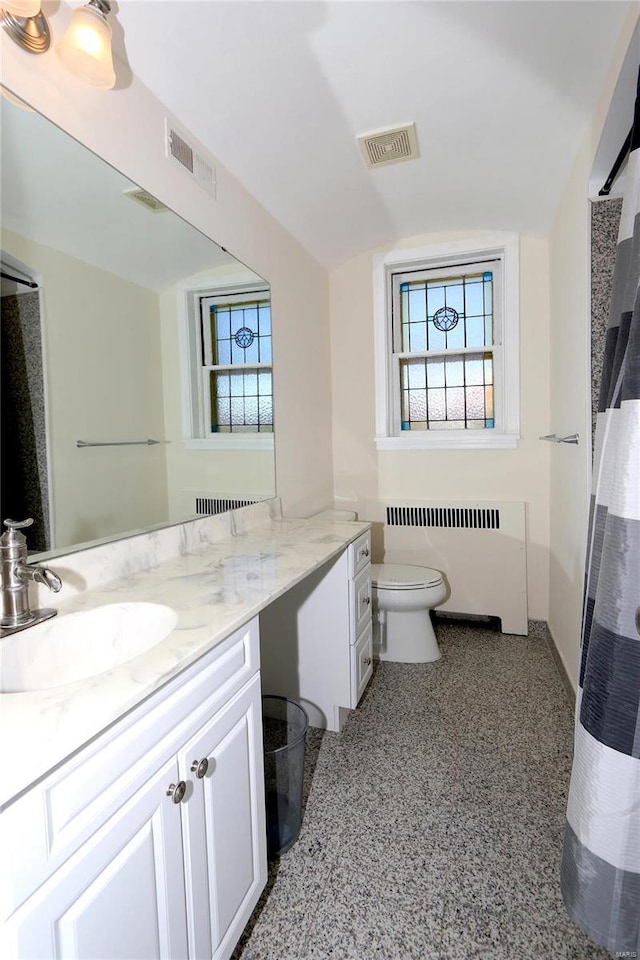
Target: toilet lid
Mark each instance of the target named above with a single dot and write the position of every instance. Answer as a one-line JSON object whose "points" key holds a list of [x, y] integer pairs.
{"points": [[403, 576]]}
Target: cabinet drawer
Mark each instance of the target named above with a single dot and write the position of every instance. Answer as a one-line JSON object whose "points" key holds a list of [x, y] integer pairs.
{"points": [[52, 820], [361, 664], [359, 603], [359, 553]]}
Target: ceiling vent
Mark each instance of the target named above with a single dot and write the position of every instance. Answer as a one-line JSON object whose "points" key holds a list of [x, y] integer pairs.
{"points": [[180, 149], [146, 199], [390, 145]]}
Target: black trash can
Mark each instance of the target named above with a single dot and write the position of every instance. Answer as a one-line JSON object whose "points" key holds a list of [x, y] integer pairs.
{"points": [[284, 724]]}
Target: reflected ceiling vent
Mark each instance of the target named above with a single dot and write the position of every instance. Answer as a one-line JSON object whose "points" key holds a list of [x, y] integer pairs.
{"points": [[390, 145], [146, 199], [181, 149]]}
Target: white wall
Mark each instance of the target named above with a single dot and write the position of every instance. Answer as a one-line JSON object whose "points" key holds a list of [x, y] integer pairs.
{"points": [[126, 127], [362, 473], [570, 385], [98, 391]]}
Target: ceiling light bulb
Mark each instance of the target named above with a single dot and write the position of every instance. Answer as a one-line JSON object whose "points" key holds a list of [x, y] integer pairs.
{"points": [[85, 48], [21, 8]]}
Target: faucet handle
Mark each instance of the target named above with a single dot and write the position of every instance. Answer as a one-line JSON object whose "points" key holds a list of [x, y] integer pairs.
{"points": [[18, 524]]}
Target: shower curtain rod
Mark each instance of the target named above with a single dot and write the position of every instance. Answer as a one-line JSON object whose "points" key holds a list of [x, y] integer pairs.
{"points": [[615, 169], [27, 283]]}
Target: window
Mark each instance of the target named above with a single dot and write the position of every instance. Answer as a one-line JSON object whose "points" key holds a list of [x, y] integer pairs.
{"points": [[447, 347], [236, 369], [227, 364]]}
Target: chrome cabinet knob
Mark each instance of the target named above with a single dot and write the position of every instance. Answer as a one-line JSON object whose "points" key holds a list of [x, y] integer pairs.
{"points": [[365, 552], [176, 791], [366, 600], [367, 661], [200, 767]]}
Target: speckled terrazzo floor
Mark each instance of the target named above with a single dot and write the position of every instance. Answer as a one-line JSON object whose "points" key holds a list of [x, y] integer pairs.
{"points": [[433, 824]]}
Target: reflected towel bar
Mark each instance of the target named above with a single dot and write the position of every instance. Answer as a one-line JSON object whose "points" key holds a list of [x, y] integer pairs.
{"points": [[118, 443], [572, 438]]}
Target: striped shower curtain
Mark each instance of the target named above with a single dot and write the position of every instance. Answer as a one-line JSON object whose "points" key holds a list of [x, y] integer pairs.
{"points": [[601, 857]]}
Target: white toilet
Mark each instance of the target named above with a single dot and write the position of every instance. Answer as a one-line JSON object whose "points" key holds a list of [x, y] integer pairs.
{"points": [[403, 595]]}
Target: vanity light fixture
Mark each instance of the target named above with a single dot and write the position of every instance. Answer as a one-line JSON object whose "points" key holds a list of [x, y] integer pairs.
{"points": [[26, 24], [85, 48]]}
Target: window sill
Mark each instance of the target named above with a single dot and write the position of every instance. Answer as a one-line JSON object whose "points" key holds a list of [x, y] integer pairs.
{"points": [[232, 441], [453, 440]]}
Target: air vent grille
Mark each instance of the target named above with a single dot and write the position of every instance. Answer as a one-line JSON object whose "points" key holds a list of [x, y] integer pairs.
{"points": [[146, 199], [209, 506], [467, 518], [381, 147], [180, 150]]}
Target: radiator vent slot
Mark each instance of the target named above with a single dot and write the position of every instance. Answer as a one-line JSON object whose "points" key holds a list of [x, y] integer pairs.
{"points": [[209, 506], [180, 150], [465, 518]]}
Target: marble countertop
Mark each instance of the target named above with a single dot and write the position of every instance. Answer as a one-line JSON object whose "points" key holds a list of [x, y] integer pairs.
{"points": [[214, 588]]}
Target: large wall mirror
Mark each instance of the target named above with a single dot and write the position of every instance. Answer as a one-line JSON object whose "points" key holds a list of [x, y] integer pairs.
{"points": [[136, 352]]}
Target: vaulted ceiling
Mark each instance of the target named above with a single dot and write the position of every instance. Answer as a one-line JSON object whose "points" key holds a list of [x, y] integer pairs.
{"points": [[501, 94]]}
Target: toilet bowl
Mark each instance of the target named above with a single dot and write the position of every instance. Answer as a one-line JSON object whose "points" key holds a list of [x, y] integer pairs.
{"points": [[403, 595]]}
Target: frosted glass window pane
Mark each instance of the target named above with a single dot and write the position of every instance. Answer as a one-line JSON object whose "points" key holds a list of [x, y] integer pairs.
{"points": [[251, 384], [417, 306], [455, 403], [250, 319], [475, 402], [440, 425], [237, 409], [251, 353], [264, 381], [265, 410], [475, 332], [475, 424], [417, 374], [417, 404], [237, 353], [473, 373], [437, 410], [221, 384], [237, 319], [237, 385], [417, 336], [223, 410], [251, 410], [454, 373], [488, 297], [435, 373]]}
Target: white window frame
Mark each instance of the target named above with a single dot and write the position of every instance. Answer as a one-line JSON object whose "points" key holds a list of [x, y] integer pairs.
{"points": [[194, 418], [506, 433]]}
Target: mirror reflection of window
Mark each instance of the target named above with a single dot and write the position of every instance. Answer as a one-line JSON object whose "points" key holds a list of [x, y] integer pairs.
{"points": [[237, 381]]}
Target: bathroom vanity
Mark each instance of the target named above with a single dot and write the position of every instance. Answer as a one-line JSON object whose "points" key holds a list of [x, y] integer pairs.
{"points": [[133, 820]]}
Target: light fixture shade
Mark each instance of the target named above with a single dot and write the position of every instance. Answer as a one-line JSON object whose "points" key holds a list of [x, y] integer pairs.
{"points": [[21, 8], [85, 49]]}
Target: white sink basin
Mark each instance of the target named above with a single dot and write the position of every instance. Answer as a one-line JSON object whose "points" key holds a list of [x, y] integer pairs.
{"points": [[76, 646]]}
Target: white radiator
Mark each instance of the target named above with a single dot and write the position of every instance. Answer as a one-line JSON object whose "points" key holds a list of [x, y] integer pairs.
{"points": [[480, 548]]}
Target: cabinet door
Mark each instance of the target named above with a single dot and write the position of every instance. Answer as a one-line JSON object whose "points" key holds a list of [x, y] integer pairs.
{"points": [[121, 896], [224, 825], [361, 664]]}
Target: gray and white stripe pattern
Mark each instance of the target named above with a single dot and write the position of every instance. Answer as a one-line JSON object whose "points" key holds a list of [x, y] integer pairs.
{"points": [[601, 857]]}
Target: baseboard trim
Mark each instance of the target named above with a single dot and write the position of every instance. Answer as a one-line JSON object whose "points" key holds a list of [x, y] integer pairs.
{"points": [[540, 630]]}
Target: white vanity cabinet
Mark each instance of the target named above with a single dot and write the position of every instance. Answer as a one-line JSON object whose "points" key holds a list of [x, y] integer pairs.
{"points": [[316, 640], [105, 858]]}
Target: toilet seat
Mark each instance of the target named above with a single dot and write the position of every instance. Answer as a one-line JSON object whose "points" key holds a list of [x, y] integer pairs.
{"points": [[403, 576]]}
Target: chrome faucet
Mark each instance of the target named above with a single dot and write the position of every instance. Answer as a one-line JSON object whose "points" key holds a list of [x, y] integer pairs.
{"points": [[15, 576]]}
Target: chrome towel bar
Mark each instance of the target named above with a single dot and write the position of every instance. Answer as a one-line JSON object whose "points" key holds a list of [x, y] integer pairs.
{"points": [[572, 438], [117, 443]]}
